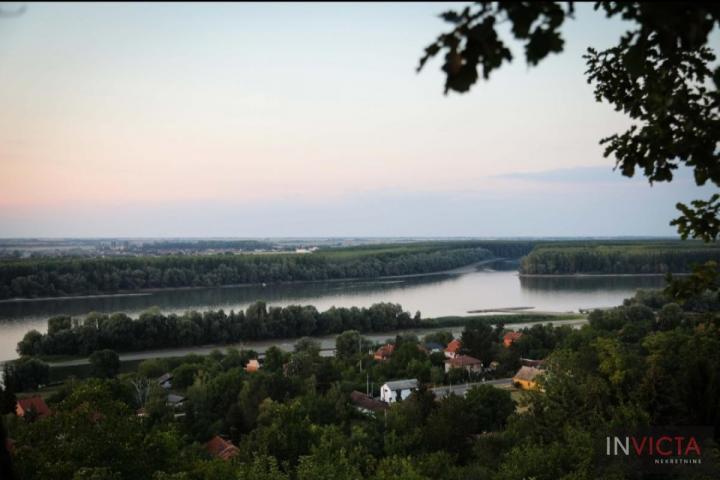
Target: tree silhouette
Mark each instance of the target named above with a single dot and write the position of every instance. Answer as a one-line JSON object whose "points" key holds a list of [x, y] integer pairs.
{"points": [[659, 74]]}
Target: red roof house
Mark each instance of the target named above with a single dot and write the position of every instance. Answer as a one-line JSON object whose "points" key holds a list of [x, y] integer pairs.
{"points": [[453, 348], [466, 362], [384, 352], [221, 448], [32, 404], [252, 366], [511, 337]]}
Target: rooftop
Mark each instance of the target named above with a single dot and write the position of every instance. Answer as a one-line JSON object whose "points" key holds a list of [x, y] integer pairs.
{"points": [[463, 361], [527, 373], [174, 399], [453, 346], [221, 448], [385, 350], [402, 384], [35, 403], [363, 401]]}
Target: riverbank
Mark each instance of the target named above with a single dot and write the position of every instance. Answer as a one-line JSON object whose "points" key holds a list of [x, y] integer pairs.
{"points": [[435, 296], [149, 291], [597, 275], [327, 342]]}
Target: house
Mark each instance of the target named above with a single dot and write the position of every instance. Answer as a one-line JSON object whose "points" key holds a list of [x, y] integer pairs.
{"points": [[165, 381], [174, 400], [452, 348], [367, 404], [526, 377], [466, 362], [252, 365], [218, 447], [34, 405], [511, 337], [398, 390], [384, 352]]}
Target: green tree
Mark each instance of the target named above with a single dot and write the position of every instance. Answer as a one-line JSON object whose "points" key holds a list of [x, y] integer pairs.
{"points": [[62, 322], [104, 363], [92, 430], [449, 426], [307, 345], [184, 375], [490, 406], [477, 341], [349, 343], [262, 467], [26, 374], [670, 316], [397, 468], [96, 473], [30, 344]]}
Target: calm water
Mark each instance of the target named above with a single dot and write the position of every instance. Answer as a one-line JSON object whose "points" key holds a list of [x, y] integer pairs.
{"points": [[433, 295]]}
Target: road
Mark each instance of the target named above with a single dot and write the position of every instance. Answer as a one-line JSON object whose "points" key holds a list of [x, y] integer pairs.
{"points": [[327, 346], [462, 389], [327, 343], [181, 352]]}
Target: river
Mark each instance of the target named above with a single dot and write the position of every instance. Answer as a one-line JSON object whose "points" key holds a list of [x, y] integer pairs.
{"points": [[433, 295]]}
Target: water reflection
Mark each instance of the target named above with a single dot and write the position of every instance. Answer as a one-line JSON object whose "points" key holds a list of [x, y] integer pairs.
{"points": [[592, 283], [207, 298], [433, 295]]}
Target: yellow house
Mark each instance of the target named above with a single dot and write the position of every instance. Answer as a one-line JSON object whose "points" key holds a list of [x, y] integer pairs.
{"points": [[526, 377]]}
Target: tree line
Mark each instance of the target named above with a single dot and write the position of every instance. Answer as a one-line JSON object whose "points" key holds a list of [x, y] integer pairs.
{"points": [[630, 258], [153, 330], [81, 276]]}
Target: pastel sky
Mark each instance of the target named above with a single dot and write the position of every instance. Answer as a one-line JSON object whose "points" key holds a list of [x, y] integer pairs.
{"points": [[299, 120]]}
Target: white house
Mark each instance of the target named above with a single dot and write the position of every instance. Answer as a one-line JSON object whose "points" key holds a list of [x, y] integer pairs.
{"points": [[398, 390]]}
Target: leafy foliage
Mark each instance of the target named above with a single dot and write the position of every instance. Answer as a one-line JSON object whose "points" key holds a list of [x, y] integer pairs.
{"points": [[474, 42], [105, 363], [618, 257], [156, 330]]}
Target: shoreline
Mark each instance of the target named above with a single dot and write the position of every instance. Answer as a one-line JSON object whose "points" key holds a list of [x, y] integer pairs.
{"points": [[149, 291], [595, 275], [326, 341]]}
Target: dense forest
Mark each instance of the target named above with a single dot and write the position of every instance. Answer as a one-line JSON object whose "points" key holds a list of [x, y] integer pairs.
{"points": [[617, 257], [153, 330], [648, 362], [78, 276]]}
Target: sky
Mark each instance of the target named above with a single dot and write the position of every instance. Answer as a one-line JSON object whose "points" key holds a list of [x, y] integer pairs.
{"points": [[256, 120]]}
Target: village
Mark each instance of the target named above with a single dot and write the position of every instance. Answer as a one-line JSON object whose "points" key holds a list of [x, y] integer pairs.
{"points": [[461, 372]]}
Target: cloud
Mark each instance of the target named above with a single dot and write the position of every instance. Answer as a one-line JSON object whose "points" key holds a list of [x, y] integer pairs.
{"points": [[594, 174]]}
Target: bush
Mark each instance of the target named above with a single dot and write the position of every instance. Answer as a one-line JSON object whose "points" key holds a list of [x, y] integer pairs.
{"points": [[105, 363]]}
